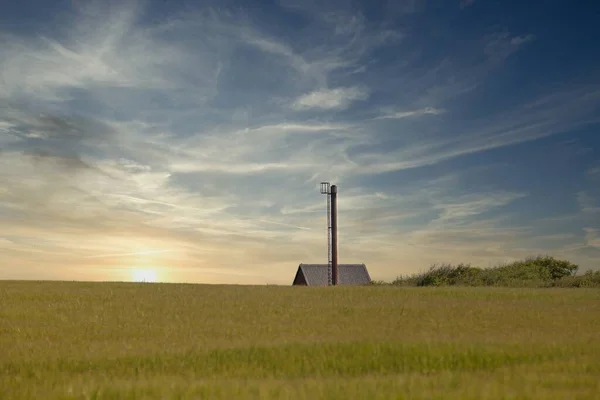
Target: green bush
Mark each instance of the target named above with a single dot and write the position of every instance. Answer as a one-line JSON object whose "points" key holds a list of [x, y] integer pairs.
{"points": [[589, 279], [377, 283], [446, 274], [541, 271]]}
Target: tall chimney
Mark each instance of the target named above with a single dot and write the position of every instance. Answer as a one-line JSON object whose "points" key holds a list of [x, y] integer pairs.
{"points": [[334, 253]]}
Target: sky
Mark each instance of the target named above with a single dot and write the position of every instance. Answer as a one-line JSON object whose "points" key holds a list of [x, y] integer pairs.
{"points": [[184, 141]]}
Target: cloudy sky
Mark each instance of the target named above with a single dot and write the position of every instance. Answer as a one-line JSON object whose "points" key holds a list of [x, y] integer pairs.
{"points": [[185, 140]]}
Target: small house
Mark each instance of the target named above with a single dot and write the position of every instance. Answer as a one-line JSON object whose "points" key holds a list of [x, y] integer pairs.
{"points": [[318, 275]]}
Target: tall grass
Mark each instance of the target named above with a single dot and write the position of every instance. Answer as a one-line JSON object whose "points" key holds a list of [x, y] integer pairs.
{"points": [[62, 340], [541, 271]]}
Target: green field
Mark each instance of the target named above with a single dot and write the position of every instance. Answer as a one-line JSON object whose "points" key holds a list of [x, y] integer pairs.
{"points": [[132, 340]]}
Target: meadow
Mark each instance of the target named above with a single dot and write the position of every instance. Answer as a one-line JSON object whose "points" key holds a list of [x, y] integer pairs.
{"points": [[67, 340]]}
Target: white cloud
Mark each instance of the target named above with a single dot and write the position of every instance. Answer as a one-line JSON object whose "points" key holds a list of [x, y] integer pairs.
{"points": [[412, 113], [500, 46], [519, 40], [467, 206], [289, 147], [240, 168], [588, 203], [286, 128], [102, 51], [5, 243], [592, 237], [192, 142], [274, 47], [327, 99], [555, 115]]}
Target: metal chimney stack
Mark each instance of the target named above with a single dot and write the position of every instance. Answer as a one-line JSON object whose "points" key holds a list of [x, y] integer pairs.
{"points": [[332, 252]]}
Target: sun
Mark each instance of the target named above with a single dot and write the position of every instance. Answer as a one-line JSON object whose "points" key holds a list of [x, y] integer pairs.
{"points": [[143, 275]]}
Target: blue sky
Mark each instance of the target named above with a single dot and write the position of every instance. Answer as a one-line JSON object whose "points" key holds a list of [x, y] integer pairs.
{"points": [[187, 139]]}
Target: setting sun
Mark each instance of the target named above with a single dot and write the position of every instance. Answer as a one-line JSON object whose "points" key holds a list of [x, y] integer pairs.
{"points": [[143, 275]]}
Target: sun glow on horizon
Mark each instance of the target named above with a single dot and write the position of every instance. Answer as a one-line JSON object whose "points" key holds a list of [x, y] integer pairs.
{"points": [[144, 275]]}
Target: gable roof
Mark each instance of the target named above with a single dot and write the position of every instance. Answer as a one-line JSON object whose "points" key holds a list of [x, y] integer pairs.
{"points": [[316, 274]]}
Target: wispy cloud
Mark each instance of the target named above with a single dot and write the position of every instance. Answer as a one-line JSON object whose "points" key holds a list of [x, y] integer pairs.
{"points": [[5, 243], [525, 123], [588, 203], [101, 50], [412, 113], [126, 130], [327, 99], [470, 205], [466, 3], [499, 46], [592, 237], [136, 253]]}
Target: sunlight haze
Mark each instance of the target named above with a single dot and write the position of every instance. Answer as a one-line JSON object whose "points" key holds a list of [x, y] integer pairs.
{"points": [[182, 141]]}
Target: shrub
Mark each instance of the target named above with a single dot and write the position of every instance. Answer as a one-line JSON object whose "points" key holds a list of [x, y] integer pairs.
{"points": [[378, 283], [588, 280], [541, 271], [446, 274]]}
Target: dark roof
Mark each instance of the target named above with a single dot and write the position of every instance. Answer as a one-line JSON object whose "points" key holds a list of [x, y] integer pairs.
{"points": [[316, 274]]}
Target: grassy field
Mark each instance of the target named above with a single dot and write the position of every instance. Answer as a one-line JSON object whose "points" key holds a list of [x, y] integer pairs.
{"points": [[128, 340]]}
